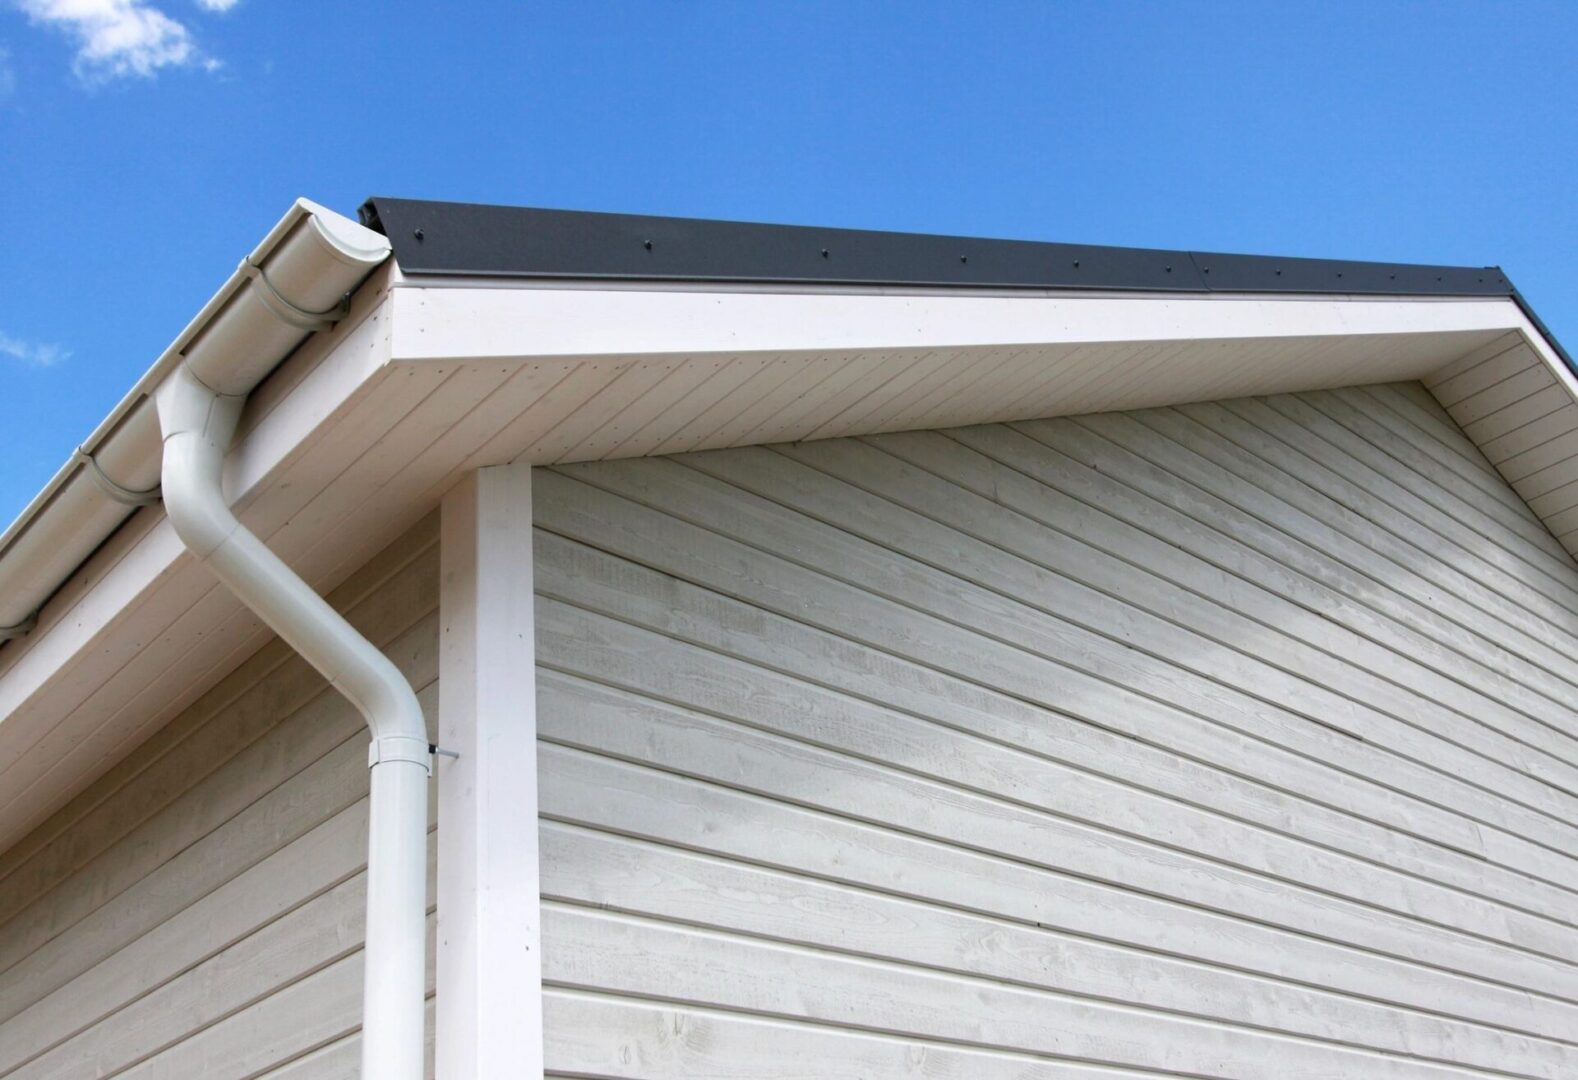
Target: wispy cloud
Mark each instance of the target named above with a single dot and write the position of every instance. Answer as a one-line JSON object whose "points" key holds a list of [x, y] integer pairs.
{"points": [[29, 353], [216, 5], [121, 38]]}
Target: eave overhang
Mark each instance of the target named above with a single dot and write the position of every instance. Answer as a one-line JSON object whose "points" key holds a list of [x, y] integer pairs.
{"points": [[501, 335]]}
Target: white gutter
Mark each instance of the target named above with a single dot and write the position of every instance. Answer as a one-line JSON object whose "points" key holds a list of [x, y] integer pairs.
{"points": [[171, 433], [314, 256]]}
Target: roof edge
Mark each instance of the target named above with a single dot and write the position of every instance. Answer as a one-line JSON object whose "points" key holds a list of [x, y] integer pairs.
{"points": [[503, 241], [473, 239]]}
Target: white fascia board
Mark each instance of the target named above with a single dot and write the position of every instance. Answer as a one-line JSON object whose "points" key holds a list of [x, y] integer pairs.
{"points": [[458, 321]]}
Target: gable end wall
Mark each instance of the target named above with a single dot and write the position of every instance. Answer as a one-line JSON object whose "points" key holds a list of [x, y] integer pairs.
{"points": [[1231, 739]]}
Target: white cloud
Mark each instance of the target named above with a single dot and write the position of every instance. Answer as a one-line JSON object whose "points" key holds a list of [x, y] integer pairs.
{"points": [[119, 38], [216, 5], [32, 355]]}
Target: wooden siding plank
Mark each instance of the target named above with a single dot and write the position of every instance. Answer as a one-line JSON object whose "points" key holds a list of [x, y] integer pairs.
{"points": [[253, 836], [585, 788], [220, 872], [1078, 587], [1400, 500], [588, 716], [1085, 758], [312, 936], [1211, 606], [651, 959], [874, 702], [320, 1008], [618, 1038], [1349, 522], [1004, 757], [1241, 544], [1456, 469], [341, 1058], [616, 874], [1249, 593], [725, 624], [295, 874], [688, 552], [317, 744], [1246, 490], [213, 732]]}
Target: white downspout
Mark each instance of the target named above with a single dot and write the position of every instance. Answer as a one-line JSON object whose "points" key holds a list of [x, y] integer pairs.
{"points": [[198, 425]]}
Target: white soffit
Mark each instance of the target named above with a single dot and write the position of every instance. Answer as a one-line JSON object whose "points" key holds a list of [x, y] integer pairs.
{"points": [[1518, 401], [617, 373], [361, 432]]}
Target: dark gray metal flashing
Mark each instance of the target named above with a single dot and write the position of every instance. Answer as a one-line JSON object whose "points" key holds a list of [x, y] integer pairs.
{"points": [[510, 241]]}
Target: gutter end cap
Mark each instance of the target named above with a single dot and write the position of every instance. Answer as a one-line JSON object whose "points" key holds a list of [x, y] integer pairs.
{"points": [[352, 244]]}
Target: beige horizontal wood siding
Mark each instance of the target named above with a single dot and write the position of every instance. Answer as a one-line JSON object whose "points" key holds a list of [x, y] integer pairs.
{"points": [[198, 911], [1228, 740]]}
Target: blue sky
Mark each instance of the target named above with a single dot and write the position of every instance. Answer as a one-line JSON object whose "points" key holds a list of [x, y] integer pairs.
{"points": [[145, 145]]}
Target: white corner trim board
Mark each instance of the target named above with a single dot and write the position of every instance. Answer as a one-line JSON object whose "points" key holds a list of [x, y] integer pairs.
{"points": [[489, 1010]]}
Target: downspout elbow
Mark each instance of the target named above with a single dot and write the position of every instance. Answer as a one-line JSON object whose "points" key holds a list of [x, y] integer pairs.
{"points": [[199, 424]]}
